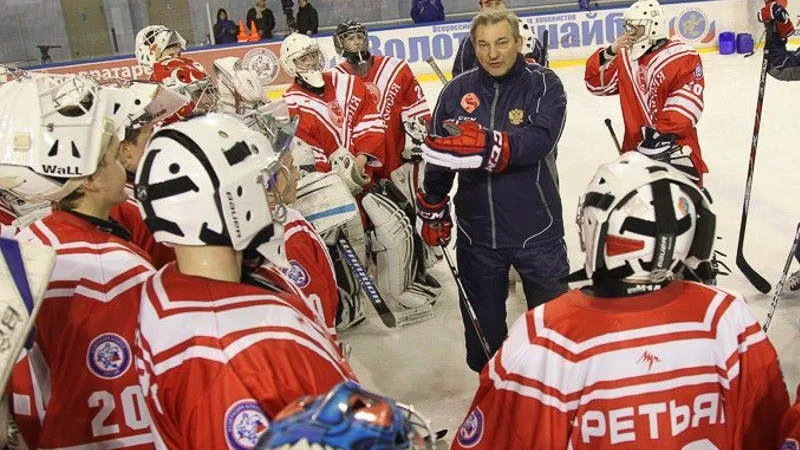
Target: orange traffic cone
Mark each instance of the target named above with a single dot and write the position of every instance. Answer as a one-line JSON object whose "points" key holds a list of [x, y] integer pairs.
{"points": [[242, 36], [254, 36]]}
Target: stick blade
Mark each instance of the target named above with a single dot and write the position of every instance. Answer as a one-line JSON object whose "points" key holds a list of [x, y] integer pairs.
{"points": [[752, 276]]}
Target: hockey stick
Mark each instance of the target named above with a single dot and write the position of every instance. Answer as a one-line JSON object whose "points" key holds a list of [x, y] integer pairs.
{"points": [[757, 280], [465, 301], [436, 69], [773, 305], [613, 135], [545, 44], [358, 271]]}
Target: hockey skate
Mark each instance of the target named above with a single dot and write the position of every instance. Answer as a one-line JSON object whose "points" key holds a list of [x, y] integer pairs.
{"points": [[792, 285]]}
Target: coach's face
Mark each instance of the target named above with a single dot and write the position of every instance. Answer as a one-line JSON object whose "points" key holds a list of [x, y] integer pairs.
{"points": [[496, 47]]}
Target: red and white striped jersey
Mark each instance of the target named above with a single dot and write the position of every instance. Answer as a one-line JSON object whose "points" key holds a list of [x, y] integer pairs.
{"points": [[663, 89], [310, 266], [685, 368], [399, 97], [128, 215], [78, 381], [791, 426], [344, 116], [218, 360]]}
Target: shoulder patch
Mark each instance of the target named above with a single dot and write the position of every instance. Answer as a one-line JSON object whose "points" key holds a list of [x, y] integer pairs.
{"points": [[471, 431], [297, 274], [245, 422], [698, 71], [108, 356]]}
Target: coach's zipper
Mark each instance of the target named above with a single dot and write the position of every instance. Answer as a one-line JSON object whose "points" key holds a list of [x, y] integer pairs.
{"points": [[491, 201]]}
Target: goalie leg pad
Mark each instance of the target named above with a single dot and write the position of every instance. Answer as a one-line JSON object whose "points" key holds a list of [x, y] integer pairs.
{"points": [[392, 241], [351, 305], [325, 201], [408, 178]]}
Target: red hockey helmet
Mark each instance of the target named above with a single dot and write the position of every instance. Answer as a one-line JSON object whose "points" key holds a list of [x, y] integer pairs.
{"points": [[188, 78]]}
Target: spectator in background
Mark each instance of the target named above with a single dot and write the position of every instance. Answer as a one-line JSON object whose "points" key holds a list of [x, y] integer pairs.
{"points": [[224, 30], [307, 19], [423, 11], [263, 17]]}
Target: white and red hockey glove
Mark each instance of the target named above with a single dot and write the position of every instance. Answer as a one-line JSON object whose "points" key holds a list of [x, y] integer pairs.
{"points": [[433, 220], [469, 146], [776, 12]]}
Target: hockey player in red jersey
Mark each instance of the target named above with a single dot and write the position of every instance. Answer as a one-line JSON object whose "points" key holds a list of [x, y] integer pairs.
{"points": [[78, 387], [392, 86], [155, 43], [142, 104], [218, 359], [189, 79], [337, 120], [337, 113], [660, 85], [634, 360]]}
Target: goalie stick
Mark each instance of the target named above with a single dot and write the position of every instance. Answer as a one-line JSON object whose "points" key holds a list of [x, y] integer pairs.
{"points": [[773, 305], [389, 318], [755, 279]]}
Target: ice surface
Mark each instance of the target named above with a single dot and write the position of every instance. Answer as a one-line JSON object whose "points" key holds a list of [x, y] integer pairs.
{"points": [[424, 364]]}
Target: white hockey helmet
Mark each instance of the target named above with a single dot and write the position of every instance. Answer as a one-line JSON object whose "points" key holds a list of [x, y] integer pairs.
{"points": [[640, 218], [646, 13], [137, 103], [53, 133], [295, 47], [201, 182], [238, 84], [151, 41], [525, 32]]}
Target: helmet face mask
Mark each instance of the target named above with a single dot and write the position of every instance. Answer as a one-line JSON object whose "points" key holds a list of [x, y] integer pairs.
{"points": [[647, 25], [156, 42], [302, 58], [351, 42]]}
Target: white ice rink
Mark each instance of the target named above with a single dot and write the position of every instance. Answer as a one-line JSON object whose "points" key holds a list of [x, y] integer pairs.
{"points": [[424, 364]]}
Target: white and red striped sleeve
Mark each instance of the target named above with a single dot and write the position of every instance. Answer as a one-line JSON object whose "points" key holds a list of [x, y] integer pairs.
{"points": [[684, 104], [602, 79], [414, 103]]}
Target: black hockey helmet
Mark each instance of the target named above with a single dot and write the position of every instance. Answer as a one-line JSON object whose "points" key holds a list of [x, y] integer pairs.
{"points": [[356, 53]]}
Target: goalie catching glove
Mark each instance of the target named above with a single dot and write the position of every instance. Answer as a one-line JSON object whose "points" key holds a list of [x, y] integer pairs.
{"points": [[343, 163], [469, 146], [662, 147], [433, 220]]}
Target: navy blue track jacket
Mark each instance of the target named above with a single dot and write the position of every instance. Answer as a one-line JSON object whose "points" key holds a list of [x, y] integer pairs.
{"points": [[783, 64], [520, 206]]}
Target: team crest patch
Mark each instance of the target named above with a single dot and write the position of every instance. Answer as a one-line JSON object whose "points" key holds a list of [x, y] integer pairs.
{"points": [[297, 274], [335, 113], [374, 92], [263, 62], [470, 102], [515, 116], [471, 430], [790, 444], [693, 25], [698, 72], [245, 422], [108, 356]]}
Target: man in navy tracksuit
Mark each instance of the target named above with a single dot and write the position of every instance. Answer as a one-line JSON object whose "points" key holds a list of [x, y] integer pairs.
{"points": [[497, 126]]}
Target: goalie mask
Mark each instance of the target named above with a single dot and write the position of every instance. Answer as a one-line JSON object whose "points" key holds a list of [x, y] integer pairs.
{"points": [[347, 417], [240, 89], [55, 132], [151, 43], [187, 78], [201, 182], [137, 103], [352, 43], [301, 58], [639, 219], [648, 15]]}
